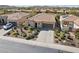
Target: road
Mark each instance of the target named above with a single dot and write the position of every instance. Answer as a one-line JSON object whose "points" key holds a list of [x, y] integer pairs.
{"points": [[14, 47]]}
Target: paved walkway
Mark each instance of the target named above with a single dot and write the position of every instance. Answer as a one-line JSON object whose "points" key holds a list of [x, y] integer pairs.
{"points": [[46, 36]]}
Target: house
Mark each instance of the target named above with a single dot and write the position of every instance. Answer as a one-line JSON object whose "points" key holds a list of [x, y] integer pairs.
{"points": [[3, 20], [17, 17], [69, 21], [42, 20]]}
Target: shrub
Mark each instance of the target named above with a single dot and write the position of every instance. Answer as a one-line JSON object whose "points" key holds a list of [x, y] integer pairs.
{"points": [[77, 34], [29, 37], [62, 35], [59, 34], [35, 32], [25, 28], [14, 34], [8, 33], [38, 30], [30, 28], [29, 31], [24, 34]]}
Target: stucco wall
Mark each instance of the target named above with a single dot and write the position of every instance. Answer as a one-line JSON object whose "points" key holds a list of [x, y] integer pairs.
{"points": [[31, 23], [61, 24], [76, 26]]}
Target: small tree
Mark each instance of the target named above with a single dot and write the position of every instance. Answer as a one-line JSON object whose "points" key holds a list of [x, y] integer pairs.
{"points": [[77, 34], [57, 24], [21, 28], [62, 35]]}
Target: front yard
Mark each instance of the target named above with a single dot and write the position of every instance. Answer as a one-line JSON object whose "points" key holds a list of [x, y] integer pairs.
{"points": [[67, 38], [24, 32]]}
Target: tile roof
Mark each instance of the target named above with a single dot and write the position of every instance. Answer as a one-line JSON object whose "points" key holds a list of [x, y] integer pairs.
{"points": [[16, 16], [72, 18], [43, 18]]}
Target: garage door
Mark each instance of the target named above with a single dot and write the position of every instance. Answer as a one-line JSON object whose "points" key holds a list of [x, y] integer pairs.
{"points": [[47, 26]]}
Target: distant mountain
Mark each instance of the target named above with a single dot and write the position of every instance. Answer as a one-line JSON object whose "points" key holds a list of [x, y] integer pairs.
{"points": [[53, 6], [50, 6], [67, 5], [7, 6]]}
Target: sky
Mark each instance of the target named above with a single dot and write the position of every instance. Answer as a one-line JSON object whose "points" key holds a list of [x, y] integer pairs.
{"points": [[39, 2]]}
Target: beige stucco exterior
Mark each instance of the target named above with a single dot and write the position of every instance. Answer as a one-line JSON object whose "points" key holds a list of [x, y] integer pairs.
{"points": [[40, 19]]}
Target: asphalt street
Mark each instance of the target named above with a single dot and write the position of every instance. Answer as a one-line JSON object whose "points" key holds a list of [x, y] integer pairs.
{"points": [[14, 47]]}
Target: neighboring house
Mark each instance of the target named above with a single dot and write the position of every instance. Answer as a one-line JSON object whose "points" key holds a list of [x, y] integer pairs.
{"points": [[69, 21], [42, 20], [18, 17], [3, 20]]}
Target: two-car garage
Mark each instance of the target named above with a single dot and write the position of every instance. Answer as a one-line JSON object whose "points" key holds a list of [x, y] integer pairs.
{"points": [[47, 26]]}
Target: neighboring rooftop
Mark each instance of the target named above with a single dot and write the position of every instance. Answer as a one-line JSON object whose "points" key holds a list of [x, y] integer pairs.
{"points": [[16, 16], [72, 18], [43, 18]]}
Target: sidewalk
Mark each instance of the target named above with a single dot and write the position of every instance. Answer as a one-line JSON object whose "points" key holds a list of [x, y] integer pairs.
{"points": [[42, 44]]}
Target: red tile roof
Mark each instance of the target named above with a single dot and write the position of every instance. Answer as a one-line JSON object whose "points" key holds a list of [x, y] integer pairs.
{"points": [[72, 18], [43, 18], [15, 16]]}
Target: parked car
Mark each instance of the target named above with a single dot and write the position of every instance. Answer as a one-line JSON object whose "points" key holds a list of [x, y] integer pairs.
{"points": [[7, 26]]}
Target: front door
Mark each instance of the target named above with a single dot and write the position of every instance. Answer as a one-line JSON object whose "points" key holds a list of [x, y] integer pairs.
{"points": [[35, 25]]}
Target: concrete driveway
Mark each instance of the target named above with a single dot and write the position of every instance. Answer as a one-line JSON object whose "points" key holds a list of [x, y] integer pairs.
{"points": [[46, 36], [2, 31]]}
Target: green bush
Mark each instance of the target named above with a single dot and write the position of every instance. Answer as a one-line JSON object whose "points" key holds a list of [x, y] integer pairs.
{"points": [[62, 35], [29, 37], [25, 28], [38, 30], [14, 34], [24, 34], [59, 34], [77, 34], [35, 32], [30, 28]]}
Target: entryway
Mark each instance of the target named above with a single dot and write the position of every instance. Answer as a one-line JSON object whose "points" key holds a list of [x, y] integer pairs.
{"points": [[35, 25]]}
